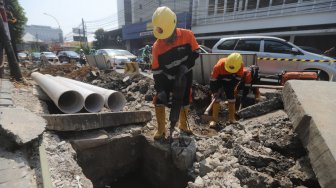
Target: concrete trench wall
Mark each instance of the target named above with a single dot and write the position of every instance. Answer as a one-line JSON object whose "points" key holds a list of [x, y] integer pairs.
{"points": [[130, 155]]}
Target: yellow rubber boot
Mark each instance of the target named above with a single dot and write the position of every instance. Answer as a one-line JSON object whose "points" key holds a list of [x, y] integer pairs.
{"points": [[257, 94], [232, 111], [160, 113], [183, 121], [215, 113]]}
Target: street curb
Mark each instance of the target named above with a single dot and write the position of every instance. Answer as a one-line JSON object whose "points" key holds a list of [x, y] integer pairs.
{"points": [[46, 179]]}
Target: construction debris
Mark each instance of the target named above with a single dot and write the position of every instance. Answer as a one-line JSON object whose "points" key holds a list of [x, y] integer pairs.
{"points": [[263, 151]]}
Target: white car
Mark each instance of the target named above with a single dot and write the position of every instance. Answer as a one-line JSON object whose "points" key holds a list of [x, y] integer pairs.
{"points": [[116, 57], [291, 57], [50, 56]]}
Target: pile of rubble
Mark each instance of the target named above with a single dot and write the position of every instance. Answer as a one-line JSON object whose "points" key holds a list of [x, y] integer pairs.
{"points": [[258, 152]]}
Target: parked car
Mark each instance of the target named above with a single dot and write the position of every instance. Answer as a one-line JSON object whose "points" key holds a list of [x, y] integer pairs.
{"points": [[22, 56], [116, 57], [35, 56], [205, 49], [273, 47], [311, 49], [68, 56], [51, 56]]}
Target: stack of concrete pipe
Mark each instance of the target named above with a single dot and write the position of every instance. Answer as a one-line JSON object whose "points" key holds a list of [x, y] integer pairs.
{"points": [[71, 96]]}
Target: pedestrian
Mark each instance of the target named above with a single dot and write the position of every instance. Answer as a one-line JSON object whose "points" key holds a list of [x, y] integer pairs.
{"points": [[44, 60], [175, 49], [82, 59], [226, 75], [146, 54]]}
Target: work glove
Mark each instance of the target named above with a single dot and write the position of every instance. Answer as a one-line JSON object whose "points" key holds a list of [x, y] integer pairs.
{"points": [[215, 96], [162, 96], [182, 70]]}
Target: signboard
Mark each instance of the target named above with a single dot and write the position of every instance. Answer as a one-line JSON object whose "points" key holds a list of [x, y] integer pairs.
{"points": [[77, 30], [79, 38], [146, 33]]}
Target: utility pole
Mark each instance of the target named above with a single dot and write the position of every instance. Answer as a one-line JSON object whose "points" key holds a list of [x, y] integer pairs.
{"points": [[85, 41], [12, 62]]}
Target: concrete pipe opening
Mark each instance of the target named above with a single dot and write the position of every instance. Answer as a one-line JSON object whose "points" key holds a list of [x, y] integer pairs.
{"points": [[70, 102], [94, 102], [115, 101]]}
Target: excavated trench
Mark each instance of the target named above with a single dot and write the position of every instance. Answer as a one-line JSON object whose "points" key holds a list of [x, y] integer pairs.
{"points": [[131, 161], [134, 161]]}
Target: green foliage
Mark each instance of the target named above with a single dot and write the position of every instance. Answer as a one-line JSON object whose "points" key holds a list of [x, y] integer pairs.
{"points": [[100, 41], [18, 13]]}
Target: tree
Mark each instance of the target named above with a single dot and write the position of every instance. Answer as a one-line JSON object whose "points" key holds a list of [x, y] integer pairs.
{"points": [[99, 36], [17, 28]]}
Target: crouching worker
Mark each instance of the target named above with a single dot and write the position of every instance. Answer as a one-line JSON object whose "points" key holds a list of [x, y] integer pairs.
{"points": [[174, 51], [250, 76], [226, 74]]}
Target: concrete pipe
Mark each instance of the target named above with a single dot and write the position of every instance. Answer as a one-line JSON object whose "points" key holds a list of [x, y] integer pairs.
{"points": [[114, 100], [93, 101], [66, 99]]}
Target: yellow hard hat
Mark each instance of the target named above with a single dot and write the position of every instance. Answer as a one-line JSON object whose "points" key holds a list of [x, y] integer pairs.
{"points": [[233, 63], [164, 22]]}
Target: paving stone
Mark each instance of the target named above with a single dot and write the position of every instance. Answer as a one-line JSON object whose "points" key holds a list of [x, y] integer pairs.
{"points": [[5, 96], [6, 102], [5, 85]]}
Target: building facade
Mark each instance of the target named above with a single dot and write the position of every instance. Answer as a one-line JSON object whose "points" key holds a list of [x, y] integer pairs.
{"points": [[303, 22], [139, 33], [45, 34], [124, 12]]}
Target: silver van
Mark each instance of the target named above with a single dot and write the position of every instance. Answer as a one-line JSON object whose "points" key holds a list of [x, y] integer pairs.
{"points": [[276, 55]]}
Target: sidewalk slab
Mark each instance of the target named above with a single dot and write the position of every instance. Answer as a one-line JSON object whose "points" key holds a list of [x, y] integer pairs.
{"points": [[15, 171], [311, 106], [19, 125]]}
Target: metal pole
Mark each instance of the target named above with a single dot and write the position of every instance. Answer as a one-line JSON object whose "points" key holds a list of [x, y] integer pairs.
{"points": [[60, 37], [84, 34]]}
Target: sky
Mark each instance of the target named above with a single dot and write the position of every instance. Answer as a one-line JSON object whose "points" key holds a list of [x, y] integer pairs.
{"points": [[69, 13]]}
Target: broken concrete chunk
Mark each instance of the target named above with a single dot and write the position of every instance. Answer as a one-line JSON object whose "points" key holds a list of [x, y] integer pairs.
{"points": [[183, 152], [261, 108], [20, 130]]}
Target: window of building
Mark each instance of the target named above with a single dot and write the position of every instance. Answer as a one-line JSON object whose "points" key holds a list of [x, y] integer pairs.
{"points": [[211, 7], [227, 44], [248, 45], [252, 4], [220, 6], [263, 3], [277, 2], [290, 1], [277, 47], [240, 5], [230, 6]]}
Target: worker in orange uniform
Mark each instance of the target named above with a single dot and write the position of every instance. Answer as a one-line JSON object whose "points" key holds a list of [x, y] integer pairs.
{"points": [[175, 49], [226, 74]]}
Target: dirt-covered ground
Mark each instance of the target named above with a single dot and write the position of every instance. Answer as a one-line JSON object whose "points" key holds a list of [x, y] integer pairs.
{"points": [[258, 152]]}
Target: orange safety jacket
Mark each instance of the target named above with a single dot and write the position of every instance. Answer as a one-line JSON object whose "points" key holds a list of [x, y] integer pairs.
{"points": [[168, 57], [220, 74]]}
